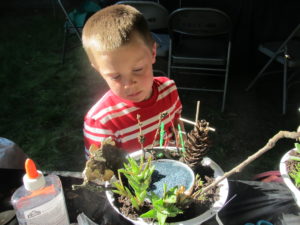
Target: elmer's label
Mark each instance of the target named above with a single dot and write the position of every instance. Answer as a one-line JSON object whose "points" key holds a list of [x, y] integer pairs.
{"points": [[50, 213]]}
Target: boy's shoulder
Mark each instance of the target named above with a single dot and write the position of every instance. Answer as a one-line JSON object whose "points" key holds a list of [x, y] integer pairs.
{"points": [[163, 81]]}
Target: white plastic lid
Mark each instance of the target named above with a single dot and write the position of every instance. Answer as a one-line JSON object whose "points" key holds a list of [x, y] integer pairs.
{"points": [[32, 184], [33, 179]]}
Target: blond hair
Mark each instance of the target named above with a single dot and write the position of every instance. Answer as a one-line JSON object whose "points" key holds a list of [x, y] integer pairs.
{"points": [[113, 27]]}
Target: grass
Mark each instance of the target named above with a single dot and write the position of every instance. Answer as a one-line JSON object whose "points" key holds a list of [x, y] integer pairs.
{"points": [[42, 101]]}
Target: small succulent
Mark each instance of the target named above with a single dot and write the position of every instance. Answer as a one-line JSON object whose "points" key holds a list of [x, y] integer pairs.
{"points": [[139, 178], [295, 174], [199, 185]]}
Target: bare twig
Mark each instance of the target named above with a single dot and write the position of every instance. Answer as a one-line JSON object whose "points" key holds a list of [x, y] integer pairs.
{"points": [[193, 123], [161, 116], [197, 111], [271, 143], [141, 137]]}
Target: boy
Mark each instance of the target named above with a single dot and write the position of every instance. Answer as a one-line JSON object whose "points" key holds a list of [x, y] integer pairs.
{"points": [[120, 47]]}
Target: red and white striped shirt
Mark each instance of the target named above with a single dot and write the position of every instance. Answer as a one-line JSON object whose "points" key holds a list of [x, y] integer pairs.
{"points": [[114, 117]]}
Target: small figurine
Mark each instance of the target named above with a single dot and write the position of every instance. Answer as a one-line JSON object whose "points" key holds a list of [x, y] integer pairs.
{"points": [[103, 163], [95, 169]]}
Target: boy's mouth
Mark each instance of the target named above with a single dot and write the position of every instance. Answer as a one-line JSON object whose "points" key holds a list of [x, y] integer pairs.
{"points": [[135, 94]]}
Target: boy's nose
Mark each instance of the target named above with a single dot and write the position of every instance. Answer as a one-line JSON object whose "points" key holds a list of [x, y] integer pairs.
{"points": [[129, 82]]}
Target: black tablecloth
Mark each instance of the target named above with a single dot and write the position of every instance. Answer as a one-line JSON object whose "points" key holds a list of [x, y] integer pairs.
{"points": [[253, 201]]}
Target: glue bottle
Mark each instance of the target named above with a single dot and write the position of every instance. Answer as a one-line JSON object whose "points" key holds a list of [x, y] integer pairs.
{"points": [[40, 201]]}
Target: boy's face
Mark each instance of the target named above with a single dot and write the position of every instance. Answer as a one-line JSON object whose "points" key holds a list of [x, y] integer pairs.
{"points": [[128, 70]]}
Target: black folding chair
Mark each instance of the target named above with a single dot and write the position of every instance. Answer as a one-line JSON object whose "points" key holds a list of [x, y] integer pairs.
{"points": [[157, 18], [76, 13], [286, 53], [200, 45]]}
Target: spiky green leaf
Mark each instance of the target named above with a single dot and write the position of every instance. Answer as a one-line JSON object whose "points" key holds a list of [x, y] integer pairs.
{"points": [[297, 146], [161, 218], [150, 214]]}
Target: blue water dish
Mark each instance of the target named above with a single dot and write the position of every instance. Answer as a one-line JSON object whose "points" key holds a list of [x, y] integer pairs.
{"points": [[172, 173]]}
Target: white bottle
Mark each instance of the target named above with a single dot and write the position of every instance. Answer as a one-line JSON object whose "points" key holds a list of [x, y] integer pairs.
{"points": [[40, 201]]}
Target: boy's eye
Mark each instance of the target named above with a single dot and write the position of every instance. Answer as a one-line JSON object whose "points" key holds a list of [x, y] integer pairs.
{"points": [[115, 77], [138, 70]]}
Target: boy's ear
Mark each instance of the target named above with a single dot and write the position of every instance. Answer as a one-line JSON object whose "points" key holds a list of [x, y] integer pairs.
{"points": [[95, 68], [154, 53]]}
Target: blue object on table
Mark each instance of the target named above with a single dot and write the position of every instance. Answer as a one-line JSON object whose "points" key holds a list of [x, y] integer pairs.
{"points": [[260, 222]]}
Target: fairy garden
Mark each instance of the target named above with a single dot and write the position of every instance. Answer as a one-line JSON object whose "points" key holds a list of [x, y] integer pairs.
{"points": [[160, 184]]}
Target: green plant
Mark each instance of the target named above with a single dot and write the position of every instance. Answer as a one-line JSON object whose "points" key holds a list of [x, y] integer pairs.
{"points": [[163, 207], [296, 158], [199, 185], [295, 174], [139, 178]]}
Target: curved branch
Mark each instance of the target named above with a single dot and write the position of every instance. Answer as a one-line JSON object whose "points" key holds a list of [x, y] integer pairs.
{"points": [[270, 144]]}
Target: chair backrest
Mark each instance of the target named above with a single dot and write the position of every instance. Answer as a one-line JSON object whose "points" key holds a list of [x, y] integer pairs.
{"points": [[296, 32], [202, 22], [78, 11], [155, 14]]}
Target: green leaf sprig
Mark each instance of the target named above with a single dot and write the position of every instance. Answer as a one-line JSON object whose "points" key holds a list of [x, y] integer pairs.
{"points": [[297, 146], [163, 207]]}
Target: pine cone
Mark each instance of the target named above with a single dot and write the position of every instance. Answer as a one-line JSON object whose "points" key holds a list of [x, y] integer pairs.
{"points": [[197, 144]]}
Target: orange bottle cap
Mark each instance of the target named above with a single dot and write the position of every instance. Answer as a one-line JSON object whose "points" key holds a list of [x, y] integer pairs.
{"points": [[33, 179], [31, 169]]}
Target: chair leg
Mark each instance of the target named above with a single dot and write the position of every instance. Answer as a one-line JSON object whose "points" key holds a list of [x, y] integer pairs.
{"points": [[225, 91], [226, 78], [64, 47], [259, 74], [284, 94], [169, 59]]}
